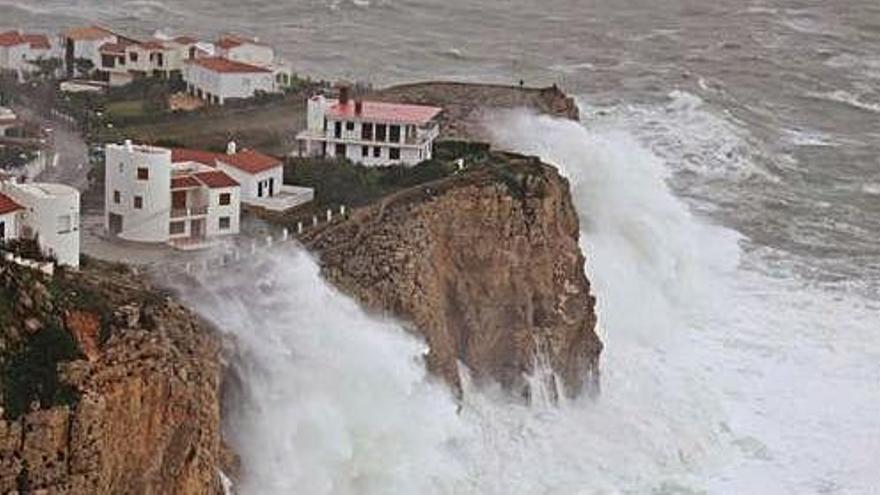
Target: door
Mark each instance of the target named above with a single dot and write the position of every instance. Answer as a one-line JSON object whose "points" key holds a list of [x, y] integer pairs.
{"points": [[114, 222], [260, 189], [271, 186], [2, 231], [197, 228]]}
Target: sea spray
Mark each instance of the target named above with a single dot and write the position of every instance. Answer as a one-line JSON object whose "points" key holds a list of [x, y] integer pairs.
{"points": [[714, 379]]}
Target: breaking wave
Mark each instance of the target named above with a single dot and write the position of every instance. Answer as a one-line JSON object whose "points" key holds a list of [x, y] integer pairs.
{"points": [[715, 379]]}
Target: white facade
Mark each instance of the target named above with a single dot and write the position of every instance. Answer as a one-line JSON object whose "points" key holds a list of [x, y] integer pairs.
{"points": [[51, 216], [371, 133], [151, 199], [19, 51], [245, 51], [9, 226], [85, 43], [264, 184], [137, 209], [216, 80]]}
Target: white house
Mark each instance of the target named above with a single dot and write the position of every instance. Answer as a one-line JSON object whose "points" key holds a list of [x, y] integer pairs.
{"points": [[125, 59], [369, 132], [153, 196], [261, 176], [216, 79], [19, 51], [84, 43], [253, 52], [9, 211], [48, 213]]}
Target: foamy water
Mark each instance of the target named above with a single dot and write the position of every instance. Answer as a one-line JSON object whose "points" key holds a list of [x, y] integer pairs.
{"points": [[716, 378]]}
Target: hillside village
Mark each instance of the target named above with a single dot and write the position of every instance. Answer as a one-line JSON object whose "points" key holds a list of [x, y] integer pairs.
{"points": [[159, 192]]}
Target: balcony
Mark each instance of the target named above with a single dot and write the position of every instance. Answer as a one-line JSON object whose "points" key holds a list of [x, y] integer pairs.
{"points": [[195, 211]]}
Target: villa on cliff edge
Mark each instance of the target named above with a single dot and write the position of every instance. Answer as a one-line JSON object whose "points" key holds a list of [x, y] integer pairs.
{"points": [[372, 133]]}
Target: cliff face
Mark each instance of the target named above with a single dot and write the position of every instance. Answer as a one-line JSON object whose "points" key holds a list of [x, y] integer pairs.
{"points": [[485, 265], [134, 407]]}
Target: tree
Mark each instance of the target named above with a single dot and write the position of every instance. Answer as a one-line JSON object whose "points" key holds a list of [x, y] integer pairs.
{"points": [[83, 66]]}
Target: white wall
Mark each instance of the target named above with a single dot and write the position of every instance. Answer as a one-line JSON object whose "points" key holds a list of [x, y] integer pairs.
{"points": [[228, 85], [248, 53], [250, 183], [52, 215], [216, 211], [149, 224], [10, 226]]}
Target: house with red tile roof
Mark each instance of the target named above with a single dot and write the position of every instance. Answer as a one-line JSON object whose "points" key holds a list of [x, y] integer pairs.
{"points": [[369, 132], [19, 51], [46, 213], [126, 59], [217, 80], [9, 210], [163, 196], [261, 176]]}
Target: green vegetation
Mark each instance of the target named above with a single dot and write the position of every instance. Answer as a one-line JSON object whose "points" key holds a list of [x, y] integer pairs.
{"points": [[32, 373], [340, 182]]}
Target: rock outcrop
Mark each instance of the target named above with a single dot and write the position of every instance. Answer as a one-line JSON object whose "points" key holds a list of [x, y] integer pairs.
{"points": [[466, 105], [137, 409], [485, 265]]}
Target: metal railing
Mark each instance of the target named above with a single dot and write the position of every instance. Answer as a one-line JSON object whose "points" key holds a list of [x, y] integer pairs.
{"points": [[195, 211]]}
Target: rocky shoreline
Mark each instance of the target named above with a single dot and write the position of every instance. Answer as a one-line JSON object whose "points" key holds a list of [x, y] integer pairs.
{"points": [[485, 265]]}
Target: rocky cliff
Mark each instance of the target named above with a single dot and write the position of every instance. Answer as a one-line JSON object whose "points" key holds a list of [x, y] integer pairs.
{"points": [[466, 105], [107, 388], [485, 265]]}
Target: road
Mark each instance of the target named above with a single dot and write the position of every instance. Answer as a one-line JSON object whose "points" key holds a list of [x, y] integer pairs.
{"points": [[70, 163]]}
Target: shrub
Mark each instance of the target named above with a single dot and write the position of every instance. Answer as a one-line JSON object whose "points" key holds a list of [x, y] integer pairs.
{"points": [[32, 374]]}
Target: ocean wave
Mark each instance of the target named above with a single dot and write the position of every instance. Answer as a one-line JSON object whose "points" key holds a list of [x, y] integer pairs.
{"points": [[847, 98]]}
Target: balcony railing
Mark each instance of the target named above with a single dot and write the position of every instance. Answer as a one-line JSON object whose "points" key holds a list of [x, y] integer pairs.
{"points": [[195, 211]]}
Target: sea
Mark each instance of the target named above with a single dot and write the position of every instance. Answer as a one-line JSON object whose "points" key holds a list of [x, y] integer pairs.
{"points": [[726, 171]]}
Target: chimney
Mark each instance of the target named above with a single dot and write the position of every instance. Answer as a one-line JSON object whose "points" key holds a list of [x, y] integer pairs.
{"points": [[358, 106], [231, 148], [344, 91]]}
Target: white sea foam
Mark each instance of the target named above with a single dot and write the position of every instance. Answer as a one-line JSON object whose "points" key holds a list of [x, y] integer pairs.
{"points": [[715, 379]]}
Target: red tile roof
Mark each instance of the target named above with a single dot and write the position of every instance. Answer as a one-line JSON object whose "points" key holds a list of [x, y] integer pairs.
{"points": [[152, 45], [223, 65], [215, 179], [184, 182], [37, 41], [186, 40], [91, 33], [250, 161], [14, 38], [228, 42], [113, 48], [377, 111], [7, 205], [179, 155]]}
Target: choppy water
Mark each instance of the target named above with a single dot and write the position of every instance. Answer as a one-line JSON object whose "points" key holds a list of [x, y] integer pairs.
{"points": [[728, 178]]}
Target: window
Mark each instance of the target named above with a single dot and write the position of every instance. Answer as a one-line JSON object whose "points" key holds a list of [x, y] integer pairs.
{"points": [[340, 151], [225, 222], [338, 129], [394, 153], [394, 133], [365, 151], [367, 132], [225, 199], [133, 56], [176, 228], [377, 152], [143, 173], [117, 197], [121, 167], [138, 202], [380, 132], [349, 126], [64, 224], [2, 231]]}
